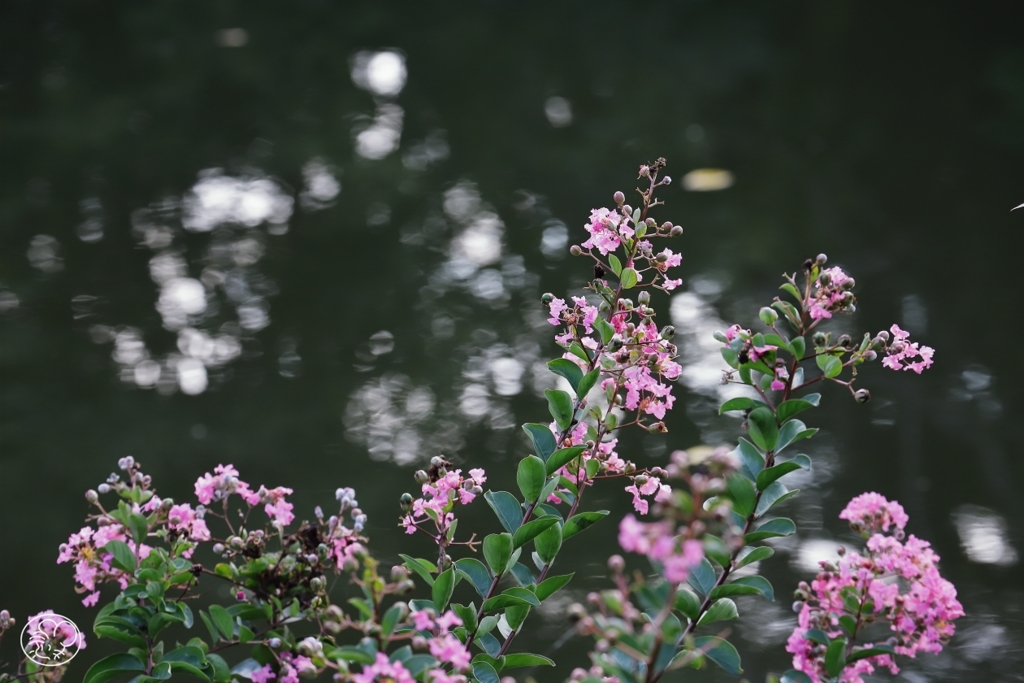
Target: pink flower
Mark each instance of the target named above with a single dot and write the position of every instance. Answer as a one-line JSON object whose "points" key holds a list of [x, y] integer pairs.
{"points": [[605, 231], [423, 620], [447, 621], [872, 512], [263, 674], [450, 650], [441, 676], [383, 669], [900, 354]]}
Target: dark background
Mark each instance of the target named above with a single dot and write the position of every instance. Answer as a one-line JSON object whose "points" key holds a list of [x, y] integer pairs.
{"points": [[886, 135]]}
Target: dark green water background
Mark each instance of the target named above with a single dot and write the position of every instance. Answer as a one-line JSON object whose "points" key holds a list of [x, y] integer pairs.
{"points": [[889, 135]]}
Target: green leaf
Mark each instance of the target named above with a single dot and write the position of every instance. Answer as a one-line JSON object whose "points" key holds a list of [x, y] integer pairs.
{"points": [[531, 477], [548, 543], [791, 432], [799, 347], [526, 659], [773, 528], [476, 572], [628, 278], [766, 477], [441, 592], [615, 264], [742, 493], [121, 633], [522, 574], [124, 558], [773, 495], [497, 551], [793, 292], [731, 589], [567, 369], [529, 531], [721, 610], [688, 603], [721, 652], [417, 664], [751, 457], [703, 577], [577, 350], [421, 567], [789, 408], [872, 651], [223, 621], [562, 457], [542, 438], [794, 676], [548, 586], [506, 507], [816, 635], [835, 657], [560, 407], [111, 667], [762, 584], [139, 526], [578, 523], [750, 555], [739, 403], [588, 382], [353, 654], [187, 658], [485, 673], [605, 329], [763, 429], [510, 598]]}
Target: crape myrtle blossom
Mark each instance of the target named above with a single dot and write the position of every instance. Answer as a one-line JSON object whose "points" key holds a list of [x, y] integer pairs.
{"points": [[895, 582], [659, 542], [442, 488], [224, 482], [831, 293], [48, 635], [383, 669], [900, 354]]}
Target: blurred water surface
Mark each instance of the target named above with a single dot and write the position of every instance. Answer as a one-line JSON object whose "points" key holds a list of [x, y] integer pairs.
{"points": [[310, 238]]}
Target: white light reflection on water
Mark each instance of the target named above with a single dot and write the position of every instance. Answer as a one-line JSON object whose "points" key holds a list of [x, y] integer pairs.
{"points": [[382, 73], [321, 186], [984, 536], [811, 552]]}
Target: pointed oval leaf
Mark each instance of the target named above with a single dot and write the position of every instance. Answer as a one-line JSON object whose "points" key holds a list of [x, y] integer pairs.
{"points": [[835, 657], [578, 523], [763, 429], [485, 673], [742, 493], [506, 507], [766, 477], [721, 652], [763, 585], [497, 551], [751, 457], [628, 278], [773, 495], [721, 610], [794, 676], [113, 666], [703, 577], [740, 403], [421, 567], [531, 477], [530, 530], [588, 382], [567, 369], [750, 555], [548, 542], [444, 585], [526, 659], [688, 603], [773, 528], [560, 407], [789, 408], [124, 558], [548, 586], [562, 457], [542, 438]]}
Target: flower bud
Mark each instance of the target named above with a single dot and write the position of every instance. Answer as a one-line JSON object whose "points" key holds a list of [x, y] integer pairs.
{"points": [[406, 587], [398, 573], [575, 250], [644, 297], [668, 332], [821, 260], [845, 340], [657, 428], [274, 643], [676, 231], [420, 477], [547, 297], [768, 316], [627, 210], [825, 279], [103, 488], [870, 355], [616, 563], [619, 198], [218, 548], [862, 395], [884, 336], [820, 338], [91, 496], [651, 223]]}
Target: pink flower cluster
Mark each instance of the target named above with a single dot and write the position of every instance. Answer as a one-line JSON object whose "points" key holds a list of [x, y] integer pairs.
{"points": [[604, 452], [383, 669], [831, 294], [896, 582], [50, 636], [443, 644], [648, 485], [292, 667], [93, 565], [900, 354], [750, 352], [607, 228], [345, 544], [225, 482], [440, 496], [659, 542]]}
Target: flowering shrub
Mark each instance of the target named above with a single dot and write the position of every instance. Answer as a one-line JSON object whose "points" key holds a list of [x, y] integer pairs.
{"points": [[454, 618]]}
